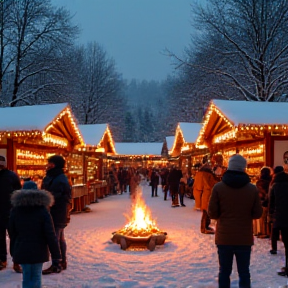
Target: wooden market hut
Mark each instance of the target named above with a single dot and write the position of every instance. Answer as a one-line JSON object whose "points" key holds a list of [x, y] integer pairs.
{"points": [[184, 148], [138, 155], [256, 130], [98, 143], [30, 134]]}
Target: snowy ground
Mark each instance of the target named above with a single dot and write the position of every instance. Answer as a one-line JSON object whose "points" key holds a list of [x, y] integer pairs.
{"points": [[187, 259]]}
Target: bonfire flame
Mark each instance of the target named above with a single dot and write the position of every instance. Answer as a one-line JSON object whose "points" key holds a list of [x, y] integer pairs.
{"points": [[141, 223]]}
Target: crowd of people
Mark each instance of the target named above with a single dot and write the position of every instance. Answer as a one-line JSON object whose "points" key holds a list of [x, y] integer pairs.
{"points": [[240, 209]]}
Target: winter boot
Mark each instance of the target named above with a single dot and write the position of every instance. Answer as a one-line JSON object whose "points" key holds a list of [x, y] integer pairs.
{"points": [[17, 268], [63, 264], [3, 264], [52, 269]]}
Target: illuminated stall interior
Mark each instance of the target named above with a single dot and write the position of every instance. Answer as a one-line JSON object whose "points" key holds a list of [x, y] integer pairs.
{"points": [[139, 155], [30, 134], [98, 144], [252, 129]]}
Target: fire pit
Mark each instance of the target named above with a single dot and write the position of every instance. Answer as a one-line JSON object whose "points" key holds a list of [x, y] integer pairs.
{"points": [[141, 231]]}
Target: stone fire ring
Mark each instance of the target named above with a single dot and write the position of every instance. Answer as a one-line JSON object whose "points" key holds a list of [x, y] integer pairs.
{"points": [[149, 242]]}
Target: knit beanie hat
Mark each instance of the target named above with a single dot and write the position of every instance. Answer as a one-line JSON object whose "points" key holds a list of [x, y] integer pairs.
{"points": [[237, 163], [30, 185], [3, 161], [57, 160], [278, 169]]}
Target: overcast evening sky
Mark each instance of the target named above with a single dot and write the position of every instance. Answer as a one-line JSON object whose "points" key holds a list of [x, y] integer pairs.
{"points": [[134, 32]]}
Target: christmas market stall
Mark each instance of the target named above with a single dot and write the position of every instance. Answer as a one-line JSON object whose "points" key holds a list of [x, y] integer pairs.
{"points": [[139, 155], [98, 143], [184, 148], [30, 134], [256, 130]]}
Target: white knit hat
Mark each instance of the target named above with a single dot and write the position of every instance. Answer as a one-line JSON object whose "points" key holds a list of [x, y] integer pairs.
{"points": [[237, 163], [3, 161]]}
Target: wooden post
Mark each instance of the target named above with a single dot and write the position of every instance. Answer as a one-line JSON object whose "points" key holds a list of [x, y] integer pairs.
{"points": [[11, 155], [269, 147]]}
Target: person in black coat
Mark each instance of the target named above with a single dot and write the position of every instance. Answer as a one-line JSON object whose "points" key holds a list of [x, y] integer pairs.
{"points": [[154, 183], [263, 185], [278, 203], [57, 183], [173, 180], [9, 182], [32, 232]]}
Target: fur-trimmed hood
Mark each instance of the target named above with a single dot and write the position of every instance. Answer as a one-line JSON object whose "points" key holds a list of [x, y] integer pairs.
{"points": [[27, 198]]}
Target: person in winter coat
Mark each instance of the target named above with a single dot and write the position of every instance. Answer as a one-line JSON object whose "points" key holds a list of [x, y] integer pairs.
{"points": [[32, 232], [278, 203], [234, 203], [173, 180], [205, 172], [57, 183], [9, 182], [275, 232], [154, 183], [263, 187], [202, 189], [164, 183], [182, 189]]}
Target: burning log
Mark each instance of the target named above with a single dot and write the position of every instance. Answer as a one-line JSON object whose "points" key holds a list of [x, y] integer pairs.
{"points": [[141, 231]]}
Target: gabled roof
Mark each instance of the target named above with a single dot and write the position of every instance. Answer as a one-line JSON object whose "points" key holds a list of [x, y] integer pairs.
{"points": [[98, 135], [92, 133], [228, 118], [190, 131], [253, 112], [186, 134], [138, 148], [26, 118], [50, 122]]}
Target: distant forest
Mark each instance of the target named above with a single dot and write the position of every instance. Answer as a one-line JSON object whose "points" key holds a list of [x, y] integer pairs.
{"points": [[240, 51]]}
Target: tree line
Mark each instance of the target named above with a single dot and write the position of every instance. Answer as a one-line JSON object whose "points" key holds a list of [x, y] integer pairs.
{"points": [[239, 51]]}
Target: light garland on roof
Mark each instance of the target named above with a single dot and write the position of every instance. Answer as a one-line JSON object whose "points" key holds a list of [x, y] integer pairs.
{"points": [[279, 129], [212, 108], [55, 140], [98, 147], [19, 134], [224, 137], [178, 131], [66, 111]]}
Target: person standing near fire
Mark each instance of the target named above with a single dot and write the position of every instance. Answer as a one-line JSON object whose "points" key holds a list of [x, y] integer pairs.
{"points": [[9, 182], [154, 180], [57, 183], [173, 180]]}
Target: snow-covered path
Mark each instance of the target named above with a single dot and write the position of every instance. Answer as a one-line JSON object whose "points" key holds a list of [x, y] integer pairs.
{"points": [[187, 259]]}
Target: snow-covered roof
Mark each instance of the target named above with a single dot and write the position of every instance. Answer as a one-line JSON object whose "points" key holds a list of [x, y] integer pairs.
{"points": [[190, 131], [92, 133], [24, 118], [253, 112], [170, 141], [138, 148]]}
